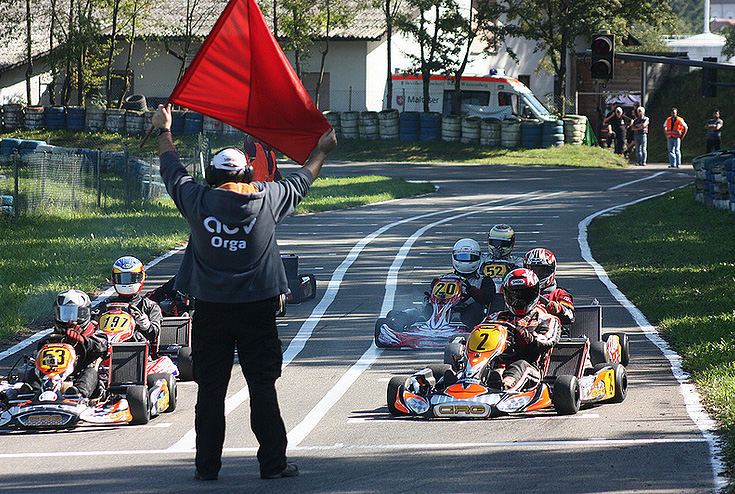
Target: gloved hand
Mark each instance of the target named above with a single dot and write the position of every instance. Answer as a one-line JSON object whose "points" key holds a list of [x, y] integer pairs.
{"points": [[74, 333], [524, 330], [142, 323], [553, 308], [469, 290]]}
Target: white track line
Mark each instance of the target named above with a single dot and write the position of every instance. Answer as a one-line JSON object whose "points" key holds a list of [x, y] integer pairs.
{"points": [[303, 429], [620, 186], [691, 398]]}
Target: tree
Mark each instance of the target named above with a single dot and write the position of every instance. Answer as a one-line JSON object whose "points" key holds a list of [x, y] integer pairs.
{"points": [[555, 25], [728, 50], [391, 10]]}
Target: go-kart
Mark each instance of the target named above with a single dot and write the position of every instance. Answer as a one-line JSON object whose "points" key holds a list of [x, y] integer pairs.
{"points": [[469, 387], [407, 328], [131, 392]]}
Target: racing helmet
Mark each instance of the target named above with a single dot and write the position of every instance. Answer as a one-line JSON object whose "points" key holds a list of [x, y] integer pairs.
{"points": [[228, 165], [501, 238], [543, 263], [128, 275], [72, 305], [466, 255], [521, 291]]}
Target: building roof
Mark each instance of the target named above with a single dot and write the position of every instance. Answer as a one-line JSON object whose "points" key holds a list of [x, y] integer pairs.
{"points": [[165, 19]]}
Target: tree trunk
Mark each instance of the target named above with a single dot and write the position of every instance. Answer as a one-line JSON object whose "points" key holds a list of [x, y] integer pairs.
{"points": [[29, 53], [111, 54], [389, 36]]}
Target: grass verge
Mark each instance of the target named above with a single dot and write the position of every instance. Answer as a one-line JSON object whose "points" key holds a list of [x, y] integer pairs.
{"points": [[47, 253], [672, 257]]}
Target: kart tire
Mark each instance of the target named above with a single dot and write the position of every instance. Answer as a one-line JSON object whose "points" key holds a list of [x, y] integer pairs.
{"points": [[139, 402], [598, 355], [624, 346], [438, 370], [394, 386], [621, 384], [185, 363], [454, 355], [378, 324], [173, 390], [566, 396]]}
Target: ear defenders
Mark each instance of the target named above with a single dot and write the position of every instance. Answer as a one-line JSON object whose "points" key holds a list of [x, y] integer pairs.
{"points": [[228, 165]]}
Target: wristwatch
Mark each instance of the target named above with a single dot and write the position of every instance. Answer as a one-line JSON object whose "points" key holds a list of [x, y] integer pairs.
{"points": [[163, 130]]}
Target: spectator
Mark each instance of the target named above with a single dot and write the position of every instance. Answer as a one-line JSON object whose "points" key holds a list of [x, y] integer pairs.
{"points": [[675, 128], [233, 269], [714, 131], [640, 136], [618, 121]]}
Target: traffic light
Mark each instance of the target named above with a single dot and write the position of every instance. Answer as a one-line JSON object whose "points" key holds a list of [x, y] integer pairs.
{"points": [[603, 56], [709, 79]]}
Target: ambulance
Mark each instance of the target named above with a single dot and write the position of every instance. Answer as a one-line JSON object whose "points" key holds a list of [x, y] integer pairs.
{"points": [[493, 95]]}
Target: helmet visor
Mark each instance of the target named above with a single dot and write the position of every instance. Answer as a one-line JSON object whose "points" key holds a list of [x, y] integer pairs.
{"points": [[67, 313], [466, 256], [542, 271], [501, 242], [127, 278], [519, 297]]}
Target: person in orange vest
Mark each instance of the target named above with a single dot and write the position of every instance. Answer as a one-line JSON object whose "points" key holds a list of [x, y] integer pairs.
{"points": [[263, 160], [675, 128]]}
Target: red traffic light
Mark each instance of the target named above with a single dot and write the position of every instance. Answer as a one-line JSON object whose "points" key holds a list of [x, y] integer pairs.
{"points": [[603, 56], [602, 45]]}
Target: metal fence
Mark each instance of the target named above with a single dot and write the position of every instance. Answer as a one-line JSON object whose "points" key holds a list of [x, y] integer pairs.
{"points": [[40, 178]]}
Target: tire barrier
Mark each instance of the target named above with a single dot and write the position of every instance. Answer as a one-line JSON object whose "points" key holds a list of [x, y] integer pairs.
{"points": [[94, 119], [114, 120], [177, 122], [29, 146], [531, 133], [409, 129], [714, 182], [192, 123], [510, 133], [430, 126], [9, 146], [55, 117], [34, 118], [135, 102], [12, 116], [368, 125], [229, 130], [6, 203], [333, 118], [490, 132], [451, 128], [552, 134], [134, 121], [389, 124], [470, 130], [210, 125], [75, 117], [349, 123], [575, 128]]}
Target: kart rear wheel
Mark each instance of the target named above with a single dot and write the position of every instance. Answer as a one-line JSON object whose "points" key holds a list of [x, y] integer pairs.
{"points": [[621, 384], [454, 355], [598, 355], [139, 402], [624, 346], [566, 396], [378, 324], [394, 386], [185, 364], [172, 389]]}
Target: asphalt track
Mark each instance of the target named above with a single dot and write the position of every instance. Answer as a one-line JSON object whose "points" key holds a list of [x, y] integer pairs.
{"points": [[333, 390]]}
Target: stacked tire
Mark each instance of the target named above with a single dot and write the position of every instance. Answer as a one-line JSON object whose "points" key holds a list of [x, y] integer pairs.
{"points": [[349, 122], [34, 118], [368, 125], [409, 129], [575, 128], [490, 132], [451, 128], [114, 120], [209, 125], [55, 117], [192, 123], [430, 125], [553, 133], [531, 133], [470, 130], [333, 118], [389, 124], [730, 173], [12, 116], [75, 116], [94, 119], [9, 146], [510, 133], [178, 118], [134, 121]]}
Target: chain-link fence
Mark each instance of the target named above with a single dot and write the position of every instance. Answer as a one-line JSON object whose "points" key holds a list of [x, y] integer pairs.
{"points": [[36, 177]]}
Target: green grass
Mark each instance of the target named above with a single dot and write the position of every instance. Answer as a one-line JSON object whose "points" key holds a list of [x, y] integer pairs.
{"points": [[673, 258]]}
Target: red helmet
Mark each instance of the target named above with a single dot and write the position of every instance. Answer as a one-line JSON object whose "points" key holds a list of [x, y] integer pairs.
{"points": [[543, 263], [521, 291]]}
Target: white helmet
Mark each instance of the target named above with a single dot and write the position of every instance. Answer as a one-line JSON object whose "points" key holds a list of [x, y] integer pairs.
{"points": [[466, 255], [72, 305]]}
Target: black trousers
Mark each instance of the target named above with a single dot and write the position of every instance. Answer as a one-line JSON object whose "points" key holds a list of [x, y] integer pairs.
{"points": [[219, 328]]}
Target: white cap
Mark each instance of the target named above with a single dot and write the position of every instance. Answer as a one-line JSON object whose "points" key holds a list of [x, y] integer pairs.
{"points": [[230, 159]]}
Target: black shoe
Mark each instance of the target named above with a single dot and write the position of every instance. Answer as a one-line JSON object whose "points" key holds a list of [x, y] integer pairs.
{"points": [[291, 470], [198, 476], [73, 392]]}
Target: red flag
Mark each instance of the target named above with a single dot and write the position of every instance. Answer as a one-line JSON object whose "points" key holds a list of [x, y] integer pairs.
{"points": [[241, 76]]}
